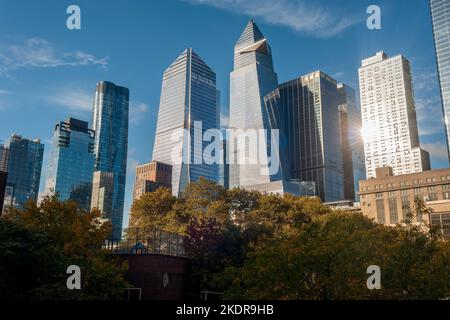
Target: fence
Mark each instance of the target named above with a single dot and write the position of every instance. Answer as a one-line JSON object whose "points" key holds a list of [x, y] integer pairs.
{"points": [[139, 241]]}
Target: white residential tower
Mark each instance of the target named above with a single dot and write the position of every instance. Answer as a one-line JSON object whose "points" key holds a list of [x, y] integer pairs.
{"points": [[388, 110]]}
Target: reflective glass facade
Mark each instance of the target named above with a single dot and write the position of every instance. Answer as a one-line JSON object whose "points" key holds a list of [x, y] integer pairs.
{"points": [[224, 169], [110, 123], [102, 192], [252, 78], [71, 163], [3, 179], [3, 158], [306, 112], [440, 11], [350, 125], [24, 170], [188, 95]]}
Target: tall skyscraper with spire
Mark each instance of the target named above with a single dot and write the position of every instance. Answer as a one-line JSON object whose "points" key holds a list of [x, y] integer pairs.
{"points": [[252, 78], [255, 167], [110, 123], [188, 100]]}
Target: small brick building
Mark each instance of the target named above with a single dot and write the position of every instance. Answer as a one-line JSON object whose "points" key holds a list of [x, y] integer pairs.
{"points": [[156, 277]]}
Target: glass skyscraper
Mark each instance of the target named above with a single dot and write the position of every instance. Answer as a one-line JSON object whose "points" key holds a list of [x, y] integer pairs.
{"points": [[3, 158], [306, 112], [102, 192], [24, 170], [71, 163], [224, 168], [3, 174], [252, 78], [440, 12], [352, 144], [110, 123], [188, 97], [3, 179]]}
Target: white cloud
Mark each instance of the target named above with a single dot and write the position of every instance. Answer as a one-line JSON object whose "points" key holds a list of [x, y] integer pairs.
{"points": [[425, 80], [224, 120], [73, 99], [137, 111], [40, 53], [81, 101], [437, 150], [338, 75], [131, 168], [299, 15], [3, 104], [429, 115], [428, 102]]}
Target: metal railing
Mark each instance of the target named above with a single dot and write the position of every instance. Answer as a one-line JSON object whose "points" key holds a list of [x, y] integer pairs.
{"points": [[139, 241]]}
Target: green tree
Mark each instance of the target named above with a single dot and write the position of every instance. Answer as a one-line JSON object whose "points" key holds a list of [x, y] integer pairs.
{"points": [[259, 246], [202, 241], [417, 260], [49, 237], [283, 214], [152, 210], [328, 259], [28, 260], [242, 218]]}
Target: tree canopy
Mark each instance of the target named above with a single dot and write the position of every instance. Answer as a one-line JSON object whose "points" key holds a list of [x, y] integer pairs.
{"points": [[243, 244], [250, 245], [39, 242], [328, 259]]}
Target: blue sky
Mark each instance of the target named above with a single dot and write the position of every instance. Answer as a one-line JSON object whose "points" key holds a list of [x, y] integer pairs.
{"points": [[48, 73]]}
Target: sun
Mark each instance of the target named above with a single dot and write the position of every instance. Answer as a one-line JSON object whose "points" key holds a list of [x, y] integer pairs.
{"points": [[368, 133]]}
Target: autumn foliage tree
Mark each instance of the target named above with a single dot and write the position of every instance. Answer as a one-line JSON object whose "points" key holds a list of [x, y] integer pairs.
{"points": [[327, 259], [220, 225], [205, 199], [250, 245], [39, 242]]}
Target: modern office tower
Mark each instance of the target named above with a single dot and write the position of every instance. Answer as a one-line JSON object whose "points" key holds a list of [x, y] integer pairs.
{"points": [[3, 158], [218, 109], [24, 170], [224, 168], [102, 192], [3, 175], [440, 12], [390, 199], [350, 124], [389, 118], [306, 112], [187, 109], [252, 78], [3, 179], [150, 177], [110, 123], [71, 163]]}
